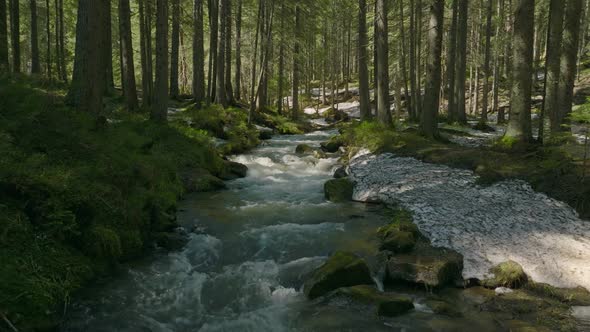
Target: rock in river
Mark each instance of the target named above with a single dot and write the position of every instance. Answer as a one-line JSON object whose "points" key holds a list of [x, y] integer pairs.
{"points": [[338, 190]]}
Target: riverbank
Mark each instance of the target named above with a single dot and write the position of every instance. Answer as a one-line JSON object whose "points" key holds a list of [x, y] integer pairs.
{"points": [[80, 195]]}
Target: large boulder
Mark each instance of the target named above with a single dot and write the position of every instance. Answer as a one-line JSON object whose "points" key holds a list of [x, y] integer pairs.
{"points": [[233, 170], [200, 180], [304, 149], [340, 172], [333, 145], [508, 274], [339, 190], [426, 265], [398, 242], [342, 269]]}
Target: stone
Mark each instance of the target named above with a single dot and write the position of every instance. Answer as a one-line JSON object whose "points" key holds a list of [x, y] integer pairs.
{"points": [[402, 226], [508, 274], [170, 240], [502, 291], [304, 149], [319, 154], [426, 265], [342, 269], [200, 180], [395, 307], [340, 172], [577, 296], [338, 190], [443, 308], [333, 145], [398, 242], [233, 171]]}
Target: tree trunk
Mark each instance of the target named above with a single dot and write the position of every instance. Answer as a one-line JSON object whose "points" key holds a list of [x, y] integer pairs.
{"points": [[228, 31], [365, 104], [198, 54], [571, 37], [4, 66], [552, 70], [486, 64], [174, 54], [213, 36], [159, 111], [519, 125], [35, 64], [48, 31], [281, 82], [127, 63], [15, 35], [429, 123], [145, 14], [108, 51], [220, 97], [413, 85], [60, 40], [452, 54], [403, 54], [88, 82], [238, 74], [296, 60], [383, 111]]}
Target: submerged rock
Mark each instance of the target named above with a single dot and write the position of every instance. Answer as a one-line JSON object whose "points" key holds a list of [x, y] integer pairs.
{"points": [[342, 269], [304, 149], [234, 171], [398, 242], [338, 190], [443, 308], [426, 265], [508, 274], [386, 304]]}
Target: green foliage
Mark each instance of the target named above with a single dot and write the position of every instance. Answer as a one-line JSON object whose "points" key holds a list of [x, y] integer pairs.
{"points": [[79, 195], [371, 135]]}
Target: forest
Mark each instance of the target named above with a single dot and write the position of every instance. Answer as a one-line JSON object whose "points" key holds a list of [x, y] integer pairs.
{"points": [[294, 165]]}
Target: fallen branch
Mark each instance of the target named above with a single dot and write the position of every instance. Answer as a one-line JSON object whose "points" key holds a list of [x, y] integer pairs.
{"points": [[8, 322]]}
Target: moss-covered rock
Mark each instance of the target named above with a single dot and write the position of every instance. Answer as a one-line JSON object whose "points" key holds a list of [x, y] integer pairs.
{"points": [[508, 274], [333, 115], [578, 296], [304, 149], [443, 308], [426, 265], [341, 270], [339, 190], [399, 226], [333, 145], [522, 326], [170, 240], [395, 307], [233, 170], [398, 242], [386, 304], [340, 173], [200, 180], [319, 154]]}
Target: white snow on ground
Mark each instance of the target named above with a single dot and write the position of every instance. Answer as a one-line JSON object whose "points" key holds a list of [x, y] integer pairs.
{"points": [[488, 225]]}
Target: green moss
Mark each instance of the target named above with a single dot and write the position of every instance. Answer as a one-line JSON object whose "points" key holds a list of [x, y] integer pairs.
{"points": [[398, 242], [508, 274], [338, 190]]}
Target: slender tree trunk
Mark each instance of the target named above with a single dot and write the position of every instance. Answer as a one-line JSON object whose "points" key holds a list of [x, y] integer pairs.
{"points": [[145, 18], [220, 97], [48, 50], [452, 53], [519, 125], [108, 51], [159, 111], [127, 63], [228, 32], [63, 70], [403, 54], [365, 105], [296, 63], [213, 37], [419, 96], [383, 111], [552, 70], [429, 123], [4, 66], [198, 54], [497, 56], [413, 85], [571, 38], [15, 35], [174, 54], [35, 64], [238, 73], [255, 62], [281, 82], [486, 63]]}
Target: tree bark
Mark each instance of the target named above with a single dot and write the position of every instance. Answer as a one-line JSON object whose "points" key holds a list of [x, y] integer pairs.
{"points": [[365, 105], [238, 73], [147, 78], [228, 34], [108, 51], [48, 50], [15, 35], [451, 64], [429, 123], [4, 66], [127, 63], [35, 64], [159, 111], [461, 62], [213, 37], [383, 107], [296, 65], [198, 54], [174, 53], [486, 64], [220, 97], [519, 125], [281, 82]]}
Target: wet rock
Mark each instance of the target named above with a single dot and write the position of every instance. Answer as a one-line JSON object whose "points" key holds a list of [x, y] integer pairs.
{"points": [[200, 180], [443, 308], [338, 190], [578, 296], [340, 173], [426, 265], [508, 274], [395, 307], [319, 154], [234, 171], [386, 304], [398, 242], [477, 295], [333, 145], [170, 240], [333, 115], [304, 149], [502, 291], [341, 270], [395, 227], [264, 133], [521, 326]]}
